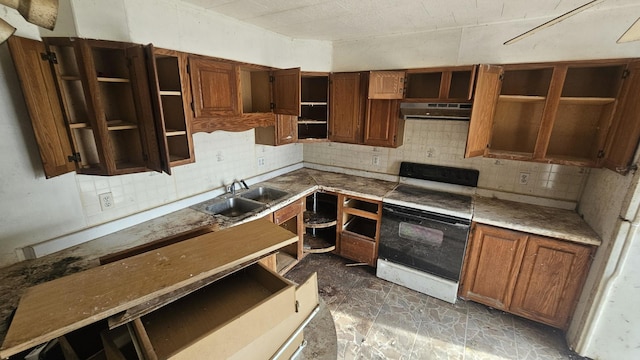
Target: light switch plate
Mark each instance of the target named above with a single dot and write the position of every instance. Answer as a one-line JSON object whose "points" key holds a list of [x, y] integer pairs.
{"points": [[523, 179]]}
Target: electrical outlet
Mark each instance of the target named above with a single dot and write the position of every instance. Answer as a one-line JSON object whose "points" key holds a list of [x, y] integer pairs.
{"points": [[219, 156], [260, 161], [524, 178], [106, 201], [375, 160]]}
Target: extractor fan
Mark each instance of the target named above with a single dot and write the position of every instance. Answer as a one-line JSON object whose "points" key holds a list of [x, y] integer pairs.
{"points": [[40, 12], [632, 34]]}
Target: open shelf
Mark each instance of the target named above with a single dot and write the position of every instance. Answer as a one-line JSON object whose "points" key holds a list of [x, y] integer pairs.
{"points": [[112, 79], [521, 98], [170, 93], [308, 122], [314, 95], [586, 100], [120, 125]]}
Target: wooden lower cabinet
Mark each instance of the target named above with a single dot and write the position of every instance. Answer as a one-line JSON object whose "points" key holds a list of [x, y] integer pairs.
{"points": [[358, 248], [291, 218], [358, 228], [532, 276]]}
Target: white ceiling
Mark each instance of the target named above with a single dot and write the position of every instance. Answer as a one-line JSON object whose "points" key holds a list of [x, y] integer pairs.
{"points": [[337, 20]]}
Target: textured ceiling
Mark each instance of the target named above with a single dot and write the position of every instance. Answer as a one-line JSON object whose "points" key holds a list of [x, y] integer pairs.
{"points": [[356, 19]]}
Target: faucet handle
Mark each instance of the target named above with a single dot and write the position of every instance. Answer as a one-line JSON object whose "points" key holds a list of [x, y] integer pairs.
{"points": [[244, 184]]}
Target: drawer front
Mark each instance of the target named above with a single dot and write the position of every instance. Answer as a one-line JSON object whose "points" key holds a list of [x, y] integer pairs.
{"points": [[222, 318], [354, 248], [269, 343], [287, 212]]}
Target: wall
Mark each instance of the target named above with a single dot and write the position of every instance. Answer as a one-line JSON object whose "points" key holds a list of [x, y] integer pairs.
{"points": [[34, 209], [573, 39], [443, 143]]}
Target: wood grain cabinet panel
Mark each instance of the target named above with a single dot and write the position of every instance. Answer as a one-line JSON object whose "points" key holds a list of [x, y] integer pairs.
{"points": [[215, 88], [569, 113], [383, 126], [531, 276], [550, 280], [493, 261], [346, 107], [386, 85]]}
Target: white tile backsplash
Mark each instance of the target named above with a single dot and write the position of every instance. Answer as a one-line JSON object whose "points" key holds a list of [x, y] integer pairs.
{"points": [[443, 143], [221, 157]]}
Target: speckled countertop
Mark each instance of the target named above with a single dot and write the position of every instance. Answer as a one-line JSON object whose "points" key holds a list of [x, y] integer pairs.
{"points": [[534, 219], [15, 279]]}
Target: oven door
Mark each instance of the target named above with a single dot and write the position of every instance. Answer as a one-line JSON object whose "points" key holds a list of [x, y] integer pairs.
{"points": [[423, 240]]}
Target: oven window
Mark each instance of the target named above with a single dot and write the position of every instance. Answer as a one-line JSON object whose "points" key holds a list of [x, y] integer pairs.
{"points": [[421, 234]]}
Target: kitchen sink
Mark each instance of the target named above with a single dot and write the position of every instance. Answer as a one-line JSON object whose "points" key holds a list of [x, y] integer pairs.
{"points": [[233, 207], [264, 194]]}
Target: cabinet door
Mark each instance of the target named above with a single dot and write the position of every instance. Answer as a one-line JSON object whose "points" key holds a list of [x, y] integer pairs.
{"points": [[40, 95], [386, 84], [625, 133], [550, 280], [286, 129], [214, 88], [346, 107], [383, 126], [484, 108], [170, 95], [144, 112], [491, 265], [286, 91]]}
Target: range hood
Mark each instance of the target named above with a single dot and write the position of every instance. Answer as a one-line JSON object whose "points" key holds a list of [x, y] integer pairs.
{"points": [[436, 111]]}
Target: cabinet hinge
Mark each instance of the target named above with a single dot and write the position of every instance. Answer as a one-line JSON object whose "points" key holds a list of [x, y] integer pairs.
{"points": [[145, 157], [395, 137], [272, 106], [600, 154], [50, 57], [272, 78], [188, 69], [74, 158], [626, 73], [501, 77]]}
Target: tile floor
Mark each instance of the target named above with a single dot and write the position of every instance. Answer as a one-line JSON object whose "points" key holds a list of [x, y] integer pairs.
{"points": [[375, 319]]}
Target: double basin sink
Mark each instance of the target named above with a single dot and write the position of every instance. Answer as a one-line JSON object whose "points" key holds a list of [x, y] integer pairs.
{"points": [[245, 203]]}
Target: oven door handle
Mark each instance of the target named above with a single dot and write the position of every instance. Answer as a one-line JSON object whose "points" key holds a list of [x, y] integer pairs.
{"points": [[425, 218]]}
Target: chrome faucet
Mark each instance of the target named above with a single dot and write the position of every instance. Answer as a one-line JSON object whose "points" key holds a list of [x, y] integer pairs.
{"points": [[232, 188]]}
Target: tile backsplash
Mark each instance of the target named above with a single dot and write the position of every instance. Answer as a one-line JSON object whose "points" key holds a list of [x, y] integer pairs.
{"points": [[443, 143], [221, 157]]}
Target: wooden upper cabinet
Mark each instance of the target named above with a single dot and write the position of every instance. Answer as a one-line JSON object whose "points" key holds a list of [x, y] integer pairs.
{"points": [[448, 84], [103, 95], [386, 84], [554, 113], [625, 133], [44, 108], [286, 91], [284, 131], [171, 99], [346, 107], [550, 280], [483, 110], [215, 87], [491, 267], [383, 126]]}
